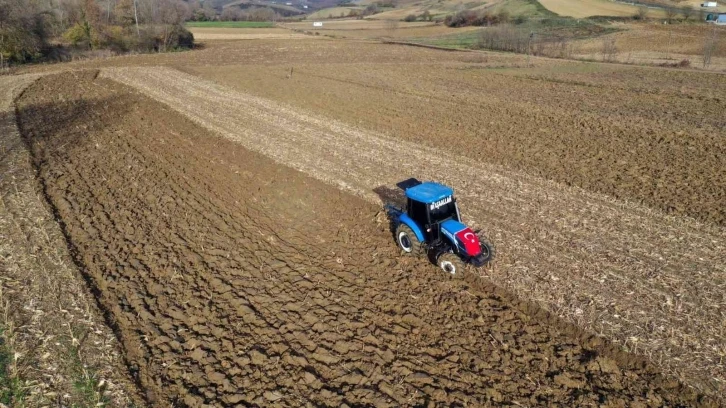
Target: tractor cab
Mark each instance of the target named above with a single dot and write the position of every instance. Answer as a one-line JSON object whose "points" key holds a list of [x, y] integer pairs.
{"points": [[429, 205], [431, 223]]}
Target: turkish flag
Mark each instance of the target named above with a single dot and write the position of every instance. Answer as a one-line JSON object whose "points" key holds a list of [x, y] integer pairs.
{"points": [[470, 241]]}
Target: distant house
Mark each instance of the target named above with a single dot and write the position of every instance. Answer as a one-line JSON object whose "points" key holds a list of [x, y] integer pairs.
{"points": [[709, 4], [718, 19]]}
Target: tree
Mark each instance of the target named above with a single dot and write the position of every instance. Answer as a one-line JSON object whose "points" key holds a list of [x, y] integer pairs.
{"points": [[641, 14], [391, 27], [91, 13], [171, 15], [709, 46], [670, 14], [232, 14], [124, 13], [687, 12], [24, 30], [609, 49]]}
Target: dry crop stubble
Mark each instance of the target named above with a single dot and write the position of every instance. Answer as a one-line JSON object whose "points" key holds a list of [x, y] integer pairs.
{"points": [[643, 279], [62, 352], [648, 135]]}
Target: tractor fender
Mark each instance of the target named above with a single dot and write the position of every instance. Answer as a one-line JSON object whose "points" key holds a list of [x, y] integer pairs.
{"points": [[405, 219]]}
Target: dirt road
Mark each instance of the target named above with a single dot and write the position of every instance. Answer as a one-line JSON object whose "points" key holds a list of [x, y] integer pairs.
{"points": [[573, 251], [232, 279]]}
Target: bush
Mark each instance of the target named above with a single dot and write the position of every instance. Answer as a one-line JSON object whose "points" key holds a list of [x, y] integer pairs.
{"points": [[473, 18], [685, 63], [370, 9], [79, 35], [641, 14], [410, 18]]}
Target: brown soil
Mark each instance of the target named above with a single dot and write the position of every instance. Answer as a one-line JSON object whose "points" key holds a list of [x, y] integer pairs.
{"points": [[612, 267], [231, 279]]}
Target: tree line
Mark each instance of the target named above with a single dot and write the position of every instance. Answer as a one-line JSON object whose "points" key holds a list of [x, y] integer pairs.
{"points": [[33, 30]]}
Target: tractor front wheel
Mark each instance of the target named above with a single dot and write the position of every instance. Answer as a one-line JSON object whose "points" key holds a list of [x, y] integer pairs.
{"points": [[450, 263], [407, 240]]}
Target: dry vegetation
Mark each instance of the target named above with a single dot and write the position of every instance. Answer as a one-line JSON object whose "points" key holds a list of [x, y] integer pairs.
{"points": [[588, 8], [55, 349], [662, 44]]}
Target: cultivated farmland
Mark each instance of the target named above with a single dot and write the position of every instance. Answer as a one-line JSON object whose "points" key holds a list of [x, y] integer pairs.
{"points": [[224, 206]]}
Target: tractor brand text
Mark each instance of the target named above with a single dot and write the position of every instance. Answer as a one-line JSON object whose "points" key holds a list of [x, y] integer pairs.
{"points": [[437, 204]]}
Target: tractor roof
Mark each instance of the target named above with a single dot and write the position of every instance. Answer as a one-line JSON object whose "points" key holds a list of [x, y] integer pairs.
{"points": [[428, 192]]}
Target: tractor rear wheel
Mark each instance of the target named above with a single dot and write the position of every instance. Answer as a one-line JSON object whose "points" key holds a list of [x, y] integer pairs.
{"points": [[450, 263], [407, 240]]}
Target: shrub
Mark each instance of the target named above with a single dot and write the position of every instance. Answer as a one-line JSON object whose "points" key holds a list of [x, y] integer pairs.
{"points": [[79, 35], [641, 14], [685, 63], [473, 18], [371, 9], [410, 18]]}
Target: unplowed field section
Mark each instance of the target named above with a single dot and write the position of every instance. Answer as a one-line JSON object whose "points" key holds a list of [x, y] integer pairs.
{"points": [[232, 279], [649, 136], [645, 280]]}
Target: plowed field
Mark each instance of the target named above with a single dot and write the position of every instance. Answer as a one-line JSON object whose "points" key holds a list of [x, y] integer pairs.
{"points": [[643, 279], [231, 279]]}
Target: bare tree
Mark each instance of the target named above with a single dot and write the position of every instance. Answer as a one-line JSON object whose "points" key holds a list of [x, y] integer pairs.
{"points": [[642, 14], [171, 15], [136, 18], [687, 12], [391, 27], [709, 47], [670, 14], [609, 49]]}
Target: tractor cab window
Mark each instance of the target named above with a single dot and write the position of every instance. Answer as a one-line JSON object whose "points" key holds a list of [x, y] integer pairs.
{"points": [[417, 211], [443, 212]]}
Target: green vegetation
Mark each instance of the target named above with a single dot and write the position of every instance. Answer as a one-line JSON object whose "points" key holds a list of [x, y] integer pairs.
{"points": [[545, 36], [230, 24], [524, 8], [465, 40], [89, 389], [12, 392]]}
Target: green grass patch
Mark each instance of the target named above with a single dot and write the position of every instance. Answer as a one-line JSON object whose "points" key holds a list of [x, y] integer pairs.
{"points": [[12, 392], [229, 24], [526, 8], [465, 40], [87, 388]]}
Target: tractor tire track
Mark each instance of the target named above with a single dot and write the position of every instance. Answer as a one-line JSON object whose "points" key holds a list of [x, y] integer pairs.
{"points": [[643, 279]]}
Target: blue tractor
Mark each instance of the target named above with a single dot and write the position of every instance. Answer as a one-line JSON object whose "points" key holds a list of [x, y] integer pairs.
{"points": [[431, 224]]}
